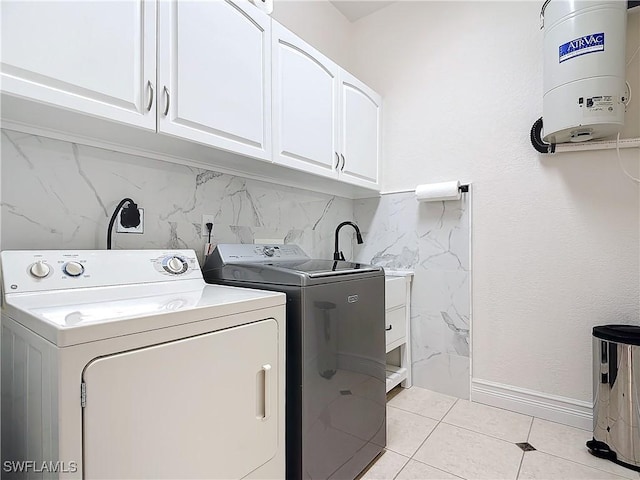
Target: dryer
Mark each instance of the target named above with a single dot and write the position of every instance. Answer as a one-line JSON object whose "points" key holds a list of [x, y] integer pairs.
{"points": [[125, 364]]}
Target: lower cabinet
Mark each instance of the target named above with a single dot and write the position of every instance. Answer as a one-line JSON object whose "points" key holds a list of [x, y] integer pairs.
{"points": [[398, 330]]}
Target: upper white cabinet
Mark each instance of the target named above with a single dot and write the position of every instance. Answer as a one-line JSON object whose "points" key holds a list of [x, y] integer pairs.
{"points": [[214, 75], [305, 102], [98, 58], [360, 139], [325, 121]]}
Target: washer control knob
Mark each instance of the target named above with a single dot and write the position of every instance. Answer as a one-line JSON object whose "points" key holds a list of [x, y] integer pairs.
{"points": [[40, 269], [268, 251], [176, 265], [73, 269]]}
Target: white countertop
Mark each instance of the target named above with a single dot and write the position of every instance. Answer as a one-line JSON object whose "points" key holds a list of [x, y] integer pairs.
{"points": [[398, 273]]}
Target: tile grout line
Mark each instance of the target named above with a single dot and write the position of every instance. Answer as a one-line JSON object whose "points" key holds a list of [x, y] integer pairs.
{"points": [[582, 464], [500, 408], [442, 421], [421, 415], [433, 429], [436, 468], [527, 440], [530, 428], [425, 439], [450, 408], [479, 433], [428, 435], [408, 458], [554, 455], [402, 468], [519, 472]]}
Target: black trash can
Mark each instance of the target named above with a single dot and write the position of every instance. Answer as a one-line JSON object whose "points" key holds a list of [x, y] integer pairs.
{"points": [[616, 398]]}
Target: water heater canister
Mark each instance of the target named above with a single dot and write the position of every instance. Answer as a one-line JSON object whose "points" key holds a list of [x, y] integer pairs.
{"points": [[584, 70]]}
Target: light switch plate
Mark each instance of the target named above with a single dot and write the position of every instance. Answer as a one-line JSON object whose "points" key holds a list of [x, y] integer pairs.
{"points": [[138, 229]]}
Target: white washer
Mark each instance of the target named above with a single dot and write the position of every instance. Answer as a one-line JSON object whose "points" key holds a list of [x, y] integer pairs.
{"points": [[125, 364]]}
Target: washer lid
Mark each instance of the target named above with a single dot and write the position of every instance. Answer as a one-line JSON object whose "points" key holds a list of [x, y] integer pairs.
{"points": [[323, 268], [310, 272], [70, 317], [278, 265]]}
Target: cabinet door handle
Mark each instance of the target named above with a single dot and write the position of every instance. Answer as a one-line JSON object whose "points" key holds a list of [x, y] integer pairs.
{"points": [[166, 107], [343, 162], [389, 328], [337, 160], [267, 403], [151, 92]]}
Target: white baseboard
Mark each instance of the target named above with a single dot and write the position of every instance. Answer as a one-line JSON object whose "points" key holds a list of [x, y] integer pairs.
{"points": [[568, 411]]}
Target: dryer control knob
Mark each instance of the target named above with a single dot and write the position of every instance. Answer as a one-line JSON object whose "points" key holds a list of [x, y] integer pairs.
{"points": [[175, 265], [73, 269], [40, 269], [268, 251]]}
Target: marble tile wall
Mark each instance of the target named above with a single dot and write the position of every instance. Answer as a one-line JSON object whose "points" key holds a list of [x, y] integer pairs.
{"points": [[433, 240], [58, 195]]}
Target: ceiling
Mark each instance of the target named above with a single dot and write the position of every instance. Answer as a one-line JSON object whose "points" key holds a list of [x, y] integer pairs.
{"points": [[356, 9]]}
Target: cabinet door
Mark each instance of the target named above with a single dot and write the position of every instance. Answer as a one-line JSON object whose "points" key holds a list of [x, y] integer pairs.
{"points": [[94, 57], [214, 72], [305, 90], [360, 125], [202, 407]]}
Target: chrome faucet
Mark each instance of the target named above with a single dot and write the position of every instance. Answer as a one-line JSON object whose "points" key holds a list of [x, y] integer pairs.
{"points": [[337, 254]]}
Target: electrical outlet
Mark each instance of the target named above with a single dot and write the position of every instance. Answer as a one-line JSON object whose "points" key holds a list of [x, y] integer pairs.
{"points": [[138, 229], [207, 219]]}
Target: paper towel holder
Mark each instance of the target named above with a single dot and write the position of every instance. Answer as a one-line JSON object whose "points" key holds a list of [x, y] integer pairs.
{"points": [[439, 192], [461, 188]]}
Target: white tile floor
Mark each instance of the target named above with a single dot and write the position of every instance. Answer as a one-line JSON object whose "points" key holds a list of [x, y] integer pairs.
{"points": [[433, 436]]}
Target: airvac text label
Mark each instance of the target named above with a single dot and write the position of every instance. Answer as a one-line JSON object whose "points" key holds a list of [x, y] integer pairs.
{"points": [[581, 46]]}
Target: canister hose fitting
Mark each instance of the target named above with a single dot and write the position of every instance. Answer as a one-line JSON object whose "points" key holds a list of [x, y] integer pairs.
{"points": [[536, 139]]}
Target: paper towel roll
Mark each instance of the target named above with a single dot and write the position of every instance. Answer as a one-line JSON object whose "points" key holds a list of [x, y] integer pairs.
{"points": [[265, 5], [437, 192]]}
